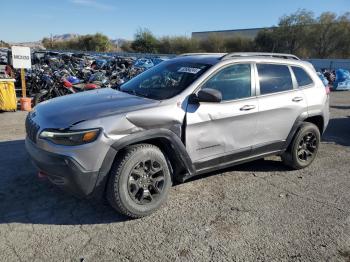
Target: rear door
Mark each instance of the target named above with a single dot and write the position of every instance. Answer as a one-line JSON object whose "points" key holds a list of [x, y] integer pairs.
{"points": [[216, 129], [280, 104], [315, 94]]}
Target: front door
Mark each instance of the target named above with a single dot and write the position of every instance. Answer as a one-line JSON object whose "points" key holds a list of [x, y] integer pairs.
{"points": [[221, 129]]}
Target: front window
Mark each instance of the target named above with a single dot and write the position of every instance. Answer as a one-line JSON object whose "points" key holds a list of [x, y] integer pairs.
{"points": [[165, 80], [234, 82]]}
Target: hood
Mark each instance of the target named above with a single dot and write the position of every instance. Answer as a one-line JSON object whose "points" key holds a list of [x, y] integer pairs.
{"points": [[62, 112]]}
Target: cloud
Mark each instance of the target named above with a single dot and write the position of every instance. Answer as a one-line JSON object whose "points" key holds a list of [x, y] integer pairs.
{"points": [[93, 4]]}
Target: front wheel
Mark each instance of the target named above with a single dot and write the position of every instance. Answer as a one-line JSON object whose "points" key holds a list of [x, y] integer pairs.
{"points": [[139, 181], [304, 147]]}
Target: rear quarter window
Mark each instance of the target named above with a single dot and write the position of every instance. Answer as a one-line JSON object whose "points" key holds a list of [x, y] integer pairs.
{"points": [[274, 78], [302, 77]]}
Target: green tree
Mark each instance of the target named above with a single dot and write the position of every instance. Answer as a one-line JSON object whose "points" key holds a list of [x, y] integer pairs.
{"points": [[182, 44], [238, 44], [343, 39], [97, 42], [265, 41], [292, 31], [324, 35], [126, 46], [214, 43], [4, 44], [165, 45], [145, 41], [177, 45]]}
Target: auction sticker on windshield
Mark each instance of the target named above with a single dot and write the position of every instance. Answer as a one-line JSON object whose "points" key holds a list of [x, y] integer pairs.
{"points": [[190, 70]]}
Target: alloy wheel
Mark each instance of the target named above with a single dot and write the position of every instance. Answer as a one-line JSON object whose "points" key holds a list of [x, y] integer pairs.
{"points": [[307, 147], [146, 181]]}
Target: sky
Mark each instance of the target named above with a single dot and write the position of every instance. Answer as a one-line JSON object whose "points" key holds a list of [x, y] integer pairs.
{"points": [[31, 20]]}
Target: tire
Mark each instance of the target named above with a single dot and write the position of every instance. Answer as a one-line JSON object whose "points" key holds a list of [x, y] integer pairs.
{"points": [[135, 187], [303, 148]]}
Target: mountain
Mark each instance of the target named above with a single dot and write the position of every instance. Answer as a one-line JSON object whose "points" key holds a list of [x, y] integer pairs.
{"points": [[34, 44], [64, 37]]}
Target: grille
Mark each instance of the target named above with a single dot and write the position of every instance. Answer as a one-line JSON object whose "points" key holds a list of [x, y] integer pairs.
{"points": [[32, 128]]}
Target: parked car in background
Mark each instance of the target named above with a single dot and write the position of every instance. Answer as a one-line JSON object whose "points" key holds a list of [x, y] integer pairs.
{"points": [[184, 117]]}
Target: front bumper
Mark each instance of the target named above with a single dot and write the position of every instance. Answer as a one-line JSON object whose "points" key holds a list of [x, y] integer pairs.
{"points": [[63, 171]]}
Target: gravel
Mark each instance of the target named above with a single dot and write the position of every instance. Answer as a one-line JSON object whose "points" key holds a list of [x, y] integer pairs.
{"points": [[260, 211]]}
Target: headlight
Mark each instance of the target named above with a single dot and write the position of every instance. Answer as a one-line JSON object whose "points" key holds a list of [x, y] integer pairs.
{"points": [[70, 138]]}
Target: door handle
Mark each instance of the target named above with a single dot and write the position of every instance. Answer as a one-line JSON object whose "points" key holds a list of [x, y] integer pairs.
{"points": [[297, 99], [247, 107]]}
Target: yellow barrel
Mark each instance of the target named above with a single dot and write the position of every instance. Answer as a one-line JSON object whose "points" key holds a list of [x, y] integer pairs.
{"points": [[8, 100]]}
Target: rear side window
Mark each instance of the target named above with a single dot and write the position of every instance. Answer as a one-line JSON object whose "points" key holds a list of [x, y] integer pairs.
{"points": [[274, 78], [302, 77]]}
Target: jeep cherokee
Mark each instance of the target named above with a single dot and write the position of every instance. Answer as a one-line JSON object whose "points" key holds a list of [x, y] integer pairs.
{"points": [[189, 115]]}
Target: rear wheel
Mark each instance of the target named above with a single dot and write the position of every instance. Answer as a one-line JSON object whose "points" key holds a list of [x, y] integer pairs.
{"points": [[304, 147], [139, 181]]}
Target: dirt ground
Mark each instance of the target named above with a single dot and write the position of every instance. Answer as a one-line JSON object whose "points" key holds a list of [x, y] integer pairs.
{"points": [[259, 211]]}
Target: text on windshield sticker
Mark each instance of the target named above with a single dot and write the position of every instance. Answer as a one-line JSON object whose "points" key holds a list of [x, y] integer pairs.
{"points": [[190, 70]]}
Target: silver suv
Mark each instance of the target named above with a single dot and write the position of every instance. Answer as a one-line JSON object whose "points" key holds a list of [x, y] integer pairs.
{"points": [[189, 115]]}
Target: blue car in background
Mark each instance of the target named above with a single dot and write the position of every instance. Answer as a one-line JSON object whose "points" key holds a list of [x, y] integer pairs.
{"points": [[342, 80]]}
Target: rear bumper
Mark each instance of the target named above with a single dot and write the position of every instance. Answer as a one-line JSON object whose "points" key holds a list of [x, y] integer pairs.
{"points": [[63, 171]]}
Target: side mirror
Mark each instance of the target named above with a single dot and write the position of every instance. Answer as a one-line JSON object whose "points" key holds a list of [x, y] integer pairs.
{"points": [[209, 95]]}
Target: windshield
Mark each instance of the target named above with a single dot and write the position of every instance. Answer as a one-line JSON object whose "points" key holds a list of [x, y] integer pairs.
{"points": [[165, 80]]}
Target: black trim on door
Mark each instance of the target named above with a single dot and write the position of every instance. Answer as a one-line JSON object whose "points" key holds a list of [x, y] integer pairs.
{"points": [[268, 147], [217, 161], [238, 157]]}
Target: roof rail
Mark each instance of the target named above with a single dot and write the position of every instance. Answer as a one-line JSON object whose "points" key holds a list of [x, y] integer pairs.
{"points": [[190, 54], [246, 54]]}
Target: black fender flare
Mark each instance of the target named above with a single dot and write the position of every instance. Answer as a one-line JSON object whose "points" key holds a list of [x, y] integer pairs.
{"points": [[160, 133], [178, 148], [297, 124]]}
